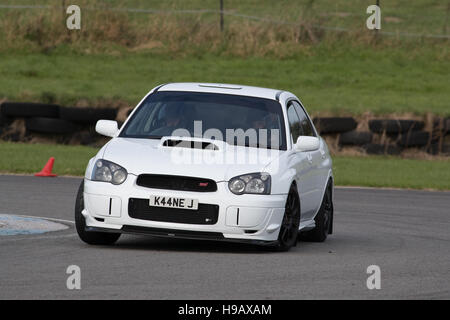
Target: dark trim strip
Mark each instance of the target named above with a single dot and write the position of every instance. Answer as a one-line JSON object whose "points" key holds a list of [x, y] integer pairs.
{"points": [[179, 234], [237, 218], [110, 205]]}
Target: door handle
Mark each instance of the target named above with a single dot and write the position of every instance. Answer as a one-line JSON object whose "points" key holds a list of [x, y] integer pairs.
{"points": [[309, 157], [322, 153]]}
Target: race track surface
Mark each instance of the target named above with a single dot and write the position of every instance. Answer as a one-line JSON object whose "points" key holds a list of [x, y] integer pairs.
{"points": [[405, 233]]}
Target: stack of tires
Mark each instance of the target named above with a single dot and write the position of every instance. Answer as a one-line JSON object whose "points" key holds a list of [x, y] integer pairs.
{"points": [[440, 137], [54, 120], [345, 130], [402, 134], [387, 136]]}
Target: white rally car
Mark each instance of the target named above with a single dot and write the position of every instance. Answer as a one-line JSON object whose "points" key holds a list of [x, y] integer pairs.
{"points": [[210, 161]]}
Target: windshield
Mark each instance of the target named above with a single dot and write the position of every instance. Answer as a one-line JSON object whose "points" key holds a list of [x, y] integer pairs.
{"points": [[237, 120]]}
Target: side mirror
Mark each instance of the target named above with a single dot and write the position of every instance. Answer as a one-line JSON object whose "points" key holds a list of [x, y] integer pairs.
{"points": [[307, 143], [107, 128]]}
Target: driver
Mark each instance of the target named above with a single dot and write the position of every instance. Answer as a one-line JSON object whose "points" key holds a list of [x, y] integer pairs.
{"points": [[172, 120]]}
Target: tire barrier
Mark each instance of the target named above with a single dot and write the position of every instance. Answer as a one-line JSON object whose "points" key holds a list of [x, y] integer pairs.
{"points": [[50, 125], [441, 127], [414, 139], [84, 138], [51, 122], [30, 122], [28, 110], [335, 124], [395, 126], [355, 138], [438, 149], [87, 115], [4, 121], [381, 149]]}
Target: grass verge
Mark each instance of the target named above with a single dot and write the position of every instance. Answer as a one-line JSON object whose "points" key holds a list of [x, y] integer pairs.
{"points": [[336, 80], [373, 171], [384, 171]]}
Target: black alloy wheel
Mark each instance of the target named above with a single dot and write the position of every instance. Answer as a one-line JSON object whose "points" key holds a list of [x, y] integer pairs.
{"points": [[287, 237]]}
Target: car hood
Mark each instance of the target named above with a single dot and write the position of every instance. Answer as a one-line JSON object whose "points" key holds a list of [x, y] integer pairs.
{"points": [[140, 156]]}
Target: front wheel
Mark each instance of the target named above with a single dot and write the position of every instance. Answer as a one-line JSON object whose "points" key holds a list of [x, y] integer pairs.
{"points": [[90, 237], [287, 237]]}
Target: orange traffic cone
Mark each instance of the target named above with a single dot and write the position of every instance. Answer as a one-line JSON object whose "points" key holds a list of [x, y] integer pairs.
{"points": [[47, 170]]}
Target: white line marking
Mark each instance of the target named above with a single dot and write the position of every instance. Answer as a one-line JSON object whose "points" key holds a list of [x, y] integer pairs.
{"points": [[6, 239], [45, 218], [37, 238]]}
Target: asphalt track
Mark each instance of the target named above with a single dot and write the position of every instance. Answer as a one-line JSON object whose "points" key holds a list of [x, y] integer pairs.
{"points": [[406, 233]]}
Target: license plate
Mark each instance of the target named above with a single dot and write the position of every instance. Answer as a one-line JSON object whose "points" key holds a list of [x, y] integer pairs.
{"points": [[173, 202]]}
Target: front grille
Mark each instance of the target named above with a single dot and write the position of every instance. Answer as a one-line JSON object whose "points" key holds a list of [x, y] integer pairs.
{"points": [[159, 181], [205, 214]]}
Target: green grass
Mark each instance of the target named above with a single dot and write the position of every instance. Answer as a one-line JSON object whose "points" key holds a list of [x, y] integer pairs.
{"points": [[337, 79], [373, 171], [31, 158], [381, 171], [338, 74]]}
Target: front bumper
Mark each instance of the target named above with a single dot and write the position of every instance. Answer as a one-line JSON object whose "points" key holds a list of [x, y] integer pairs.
{"points": [[243, 218]]}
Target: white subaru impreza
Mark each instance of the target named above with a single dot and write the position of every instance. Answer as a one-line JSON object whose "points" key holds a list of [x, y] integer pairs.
{"points": [[210, 161]]}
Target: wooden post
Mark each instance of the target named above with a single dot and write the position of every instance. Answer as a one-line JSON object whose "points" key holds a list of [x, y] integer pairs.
{"points": [[63, 7], [444, 30], [376, 30], [221, 16]]}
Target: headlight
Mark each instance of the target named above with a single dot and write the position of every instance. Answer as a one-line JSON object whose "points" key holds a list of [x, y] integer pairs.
{"points": [[109, 172], [253, 183]]}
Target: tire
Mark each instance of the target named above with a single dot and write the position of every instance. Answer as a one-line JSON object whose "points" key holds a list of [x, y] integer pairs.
{"points": [[89, 237], [355, 138], [441, 127], [288, 235], [395, 126], [323, 219], [335, 125], [27, 110], [381, 149], [83, 137], [87, 115], [4, 121], [49, 125], [414, 139], [438, 149]]}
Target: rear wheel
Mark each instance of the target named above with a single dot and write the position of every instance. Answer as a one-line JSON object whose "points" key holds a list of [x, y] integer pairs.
{"points": [[99, 238], [323, 219], [291, 222]]}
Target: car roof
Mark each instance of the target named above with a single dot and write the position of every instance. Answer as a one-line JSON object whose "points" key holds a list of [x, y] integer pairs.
{"points": [[234, 89]]}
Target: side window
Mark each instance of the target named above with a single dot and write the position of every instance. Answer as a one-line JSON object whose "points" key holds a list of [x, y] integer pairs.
{"points": [[306, 125], [294, 123]]}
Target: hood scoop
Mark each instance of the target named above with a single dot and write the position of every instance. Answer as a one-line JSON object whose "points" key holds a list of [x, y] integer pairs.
{"points": [[190, 143]]}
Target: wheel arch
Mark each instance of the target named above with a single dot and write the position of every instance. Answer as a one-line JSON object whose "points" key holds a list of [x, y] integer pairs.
{"points": [[329, 179]]}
